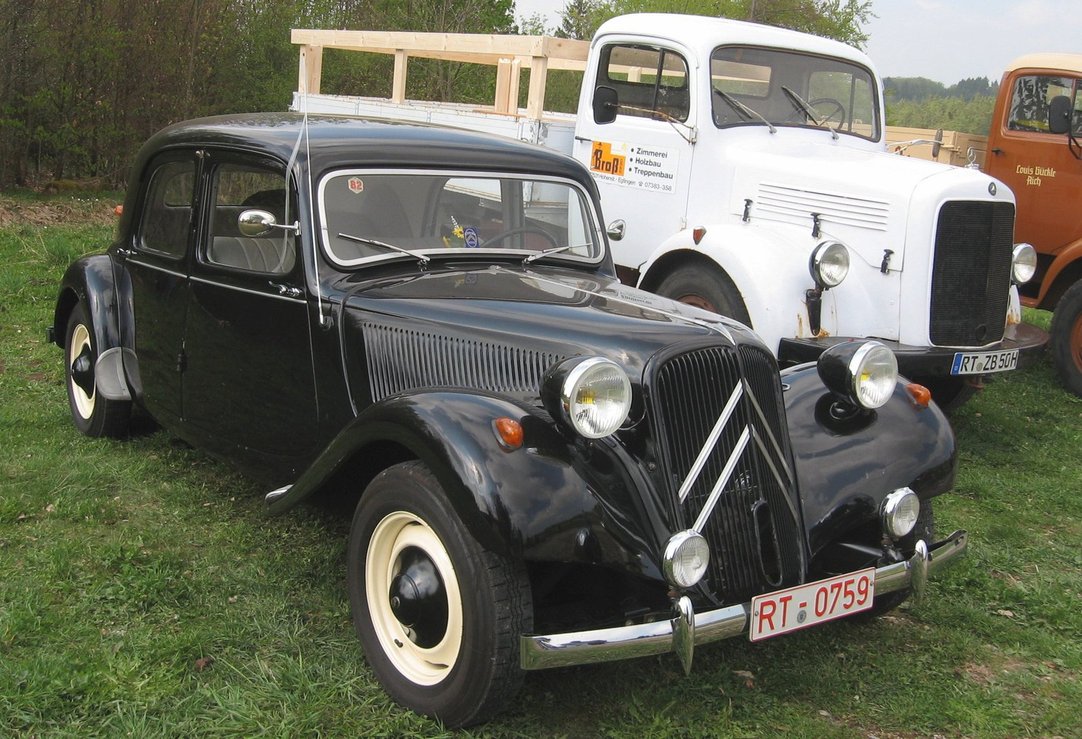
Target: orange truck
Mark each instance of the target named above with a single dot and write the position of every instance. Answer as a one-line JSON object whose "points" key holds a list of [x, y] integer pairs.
{"points": [[1035, 147]]}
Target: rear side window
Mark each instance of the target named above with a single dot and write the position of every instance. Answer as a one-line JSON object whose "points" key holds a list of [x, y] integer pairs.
{"points": [[167, 210], [651, 82], [1031, 97]]}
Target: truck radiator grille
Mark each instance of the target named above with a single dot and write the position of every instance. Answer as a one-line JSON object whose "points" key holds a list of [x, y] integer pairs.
{"points": [[971, 273], [401, 359], [728, 466]]}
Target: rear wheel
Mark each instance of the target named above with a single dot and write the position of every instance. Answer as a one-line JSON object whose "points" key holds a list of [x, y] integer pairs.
{"points": [[92, 413], [707, 288], [439, 615], [1066, 338]]}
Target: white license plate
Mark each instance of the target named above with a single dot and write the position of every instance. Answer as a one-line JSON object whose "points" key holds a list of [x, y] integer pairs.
{"points": [[981, 363], [807, 605]]}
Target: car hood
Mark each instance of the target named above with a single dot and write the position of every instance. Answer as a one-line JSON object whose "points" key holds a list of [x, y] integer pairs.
{"points": [[500, 328]]}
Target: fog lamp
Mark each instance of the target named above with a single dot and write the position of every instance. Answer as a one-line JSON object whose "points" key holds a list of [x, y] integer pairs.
{"points": [[686, 558], [900, 511], [1023, 263]]}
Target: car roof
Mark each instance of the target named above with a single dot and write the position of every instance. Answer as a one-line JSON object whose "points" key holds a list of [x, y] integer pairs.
{"points": [[341, 141]]}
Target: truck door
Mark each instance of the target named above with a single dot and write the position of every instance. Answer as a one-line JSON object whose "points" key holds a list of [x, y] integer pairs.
{"points": [[1039, 166], [641, 160]]}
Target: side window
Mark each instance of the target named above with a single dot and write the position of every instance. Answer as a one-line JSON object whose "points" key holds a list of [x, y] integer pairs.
{"points": [[167, 210], [650, 82], [237, 188], [1029, 102]]}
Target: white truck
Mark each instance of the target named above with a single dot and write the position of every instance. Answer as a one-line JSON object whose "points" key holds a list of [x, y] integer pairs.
{"points": [[745, 170]]}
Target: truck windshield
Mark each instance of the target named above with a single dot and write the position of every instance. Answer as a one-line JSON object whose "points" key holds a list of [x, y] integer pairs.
{"points": [[369, 216], [787, 88]]}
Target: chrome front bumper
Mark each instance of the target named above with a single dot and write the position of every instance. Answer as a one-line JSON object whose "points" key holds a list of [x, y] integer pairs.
{"points": [[687, 629]]}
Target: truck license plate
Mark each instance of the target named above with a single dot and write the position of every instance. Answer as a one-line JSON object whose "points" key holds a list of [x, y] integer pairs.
{"points": [[980, 363], [807, 605]]}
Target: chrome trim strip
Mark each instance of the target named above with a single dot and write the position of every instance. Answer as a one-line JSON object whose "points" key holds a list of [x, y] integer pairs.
{"points": [[723, 480], [640, 640], [155, 267], [711, 442], [235, 288], [770, 435]]}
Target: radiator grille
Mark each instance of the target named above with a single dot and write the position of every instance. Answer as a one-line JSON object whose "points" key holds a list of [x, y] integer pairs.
{"points": [[971, 274], [753, 527], [401, 359]]}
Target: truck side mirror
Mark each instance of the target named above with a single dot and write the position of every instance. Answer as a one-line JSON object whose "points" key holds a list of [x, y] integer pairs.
{"points": [[605, 104], [1059, 114]]}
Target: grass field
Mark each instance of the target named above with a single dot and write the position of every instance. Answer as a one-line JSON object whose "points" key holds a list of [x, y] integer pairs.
{"points": [[144, 592]]}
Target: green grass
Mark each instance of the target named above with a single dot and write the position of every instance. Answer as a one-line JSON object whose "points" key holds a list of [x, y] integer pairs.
{"points": [[144, 592]]}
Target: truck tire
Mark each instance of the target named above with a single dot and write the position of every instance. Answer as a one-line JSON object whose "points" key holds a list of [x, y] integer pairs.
{"points": [[438, 614], [1066, 338], [707, 288]]}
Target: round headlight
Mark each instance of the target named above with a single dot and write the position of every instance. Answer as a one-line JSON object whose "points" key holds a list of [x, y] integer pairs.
{"points": [[1023, 263], [863, 373], [595, 397], [686, 558], [829, 264], [900, 511]]}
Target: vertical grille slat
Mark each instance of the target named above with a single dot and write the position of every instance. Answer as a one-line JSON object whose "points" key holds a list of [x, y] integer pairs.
{"points": [[971, 273], [692, 390]]}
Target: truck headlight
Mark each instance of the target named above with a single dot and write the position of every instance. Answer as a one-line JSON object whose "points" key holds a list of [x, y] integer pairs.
{"points": [[862, 373], [592, 395], [829, 264], [900, 511], [1023, 263], [686, 558]]}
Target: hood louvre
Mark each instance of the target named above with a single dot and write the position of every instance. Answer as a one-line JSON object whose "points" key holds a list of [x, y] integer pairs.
{"points": [[790, 203]]}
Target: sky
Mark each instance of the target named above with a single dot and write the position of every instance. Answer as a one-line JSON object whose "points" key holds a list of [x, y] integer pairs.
{"points": [[944, 40]]}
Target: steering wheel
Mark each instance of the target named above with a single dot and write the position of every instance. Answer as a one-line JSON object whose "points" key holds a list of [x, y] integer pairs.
{"points": [[834, 110], [503, 235]]}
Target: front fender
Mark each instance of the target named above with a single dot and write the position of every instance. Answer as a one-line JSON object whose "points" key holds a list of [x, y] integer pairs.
{"points": [[533, 502], [846, 468]]}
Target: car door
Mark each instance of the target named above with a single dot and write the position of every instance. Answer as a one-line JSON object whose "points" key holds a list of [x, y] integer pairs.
{"points": [[248, 373]]}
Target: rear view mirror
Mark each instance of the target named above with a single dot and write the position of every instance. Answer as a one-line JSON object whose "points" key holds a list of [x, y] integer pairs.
{"points": [[605, 104], [1059, 114]]}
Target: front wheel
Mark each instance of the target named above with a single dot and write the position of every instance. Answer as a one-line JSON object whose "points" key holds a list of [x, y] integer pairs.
{"points": [[1066, 338], [439, 616], [707, 288], [92, 413]]}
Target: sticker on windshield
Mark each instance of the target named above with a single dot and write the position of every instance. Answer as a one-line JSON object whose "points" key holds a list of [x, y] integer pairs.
{"points": [[654, 168], [469, 234], [356, 185]]}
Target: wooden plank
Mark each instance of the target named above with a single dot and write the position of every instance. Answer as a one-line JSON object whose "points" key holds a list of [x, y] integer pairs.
{"points": [[398, 83], [310, 69]]}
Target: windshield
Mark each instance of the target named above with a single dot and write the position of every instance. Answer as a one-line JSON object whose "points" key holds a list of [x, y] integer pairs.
{"points": [[755, 86], [377, 215]]}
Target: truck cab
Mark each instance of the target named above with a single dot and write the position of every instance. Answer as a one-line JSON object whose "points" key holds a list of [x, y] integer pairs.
{"points": [[1033, 146]]}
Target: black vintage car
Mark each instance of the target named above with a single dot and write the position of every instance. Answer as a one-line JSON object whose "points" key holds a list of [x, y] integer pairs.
{"points": [[547, 468]]}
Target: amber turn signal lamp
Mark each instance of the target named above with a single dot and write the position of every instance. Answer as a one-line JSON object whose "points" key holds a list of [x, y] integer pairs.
{"points": [[509, 433], [697, 233], [922, 396]]}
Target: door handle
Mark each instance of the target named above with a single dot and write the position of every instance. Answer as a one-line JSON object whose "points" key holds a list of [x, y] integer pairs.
{"points": [[287, 291]]}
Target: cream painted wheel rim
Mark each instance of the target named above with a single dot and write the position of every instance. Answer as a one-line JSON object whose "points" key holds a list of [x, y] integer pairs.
{"points": [[395, 533], [80, 342]]}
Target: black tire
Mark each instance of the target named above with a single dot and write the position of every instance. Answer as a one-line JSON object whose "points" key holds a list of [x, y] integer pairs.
{"points": [[458, 660], [1066, 338], [924, 529], [705, 287], [92, 413]]}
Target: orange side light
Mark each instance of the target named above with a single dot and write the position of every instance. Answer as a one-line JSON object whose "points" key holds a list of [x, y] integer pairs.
{"points": [[697, 234], [922, 396], [509, 432]]}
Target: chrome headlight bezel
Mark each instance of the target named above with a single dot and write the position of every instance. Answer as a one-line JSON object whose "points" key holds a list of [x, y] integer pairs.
{"points": [[589, 395], [686, 558], [863, 374], [829, 264], [900, 511], [1023, 263]]}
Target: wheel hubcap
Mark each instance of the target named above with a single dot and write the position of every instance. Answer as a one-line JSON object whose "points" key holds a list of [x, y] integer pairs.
{"points": [[698, 301], [418, 600], [81, 368]]}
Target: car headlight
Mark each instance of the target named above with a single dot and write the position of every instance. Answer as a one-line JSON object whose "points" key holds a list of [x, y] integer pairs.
{"points": [[686, 558], [592, 395], [829, 264], [1023, 263], [863, 373], [900, 511]]}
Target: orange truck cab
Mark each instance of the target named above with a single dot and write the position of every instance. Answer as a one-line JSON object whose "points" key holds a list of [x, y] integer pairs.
{"points": [[1035, 147]]}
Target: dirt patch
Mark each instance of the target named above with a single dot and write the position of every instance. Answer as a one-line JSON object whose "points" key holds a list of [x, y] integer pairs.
{"points": [[52, 211]]}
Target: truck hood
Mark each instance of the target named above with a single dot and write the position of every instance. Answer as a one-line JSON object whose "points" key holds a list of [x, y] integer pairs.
{"points": [[499, 328]]}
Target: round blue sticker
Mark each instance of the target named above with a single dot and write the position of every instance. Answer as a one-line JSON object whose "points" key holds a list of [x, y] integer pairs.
{"points": [[470, 235]]}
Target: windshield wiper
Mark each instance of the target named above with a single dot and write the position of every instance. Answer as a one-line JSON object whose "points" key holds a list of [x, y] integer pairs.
{"points": [[744, 110], [372, 242], [804, 107], [555, 250]]}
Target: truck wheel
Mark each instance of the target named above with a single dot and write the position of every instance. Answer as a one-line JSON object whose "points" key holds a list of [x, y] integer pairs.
{"points": [[706, 288], [93, 414], [1067, 338], [439, 616]]}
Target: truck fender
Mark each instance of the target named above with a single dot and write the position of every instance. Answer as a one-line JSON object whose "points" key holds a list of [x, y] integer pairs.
{"points": [[746, 255], [530, 502], [1064, 271], [90, 280], [868, 455]]}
